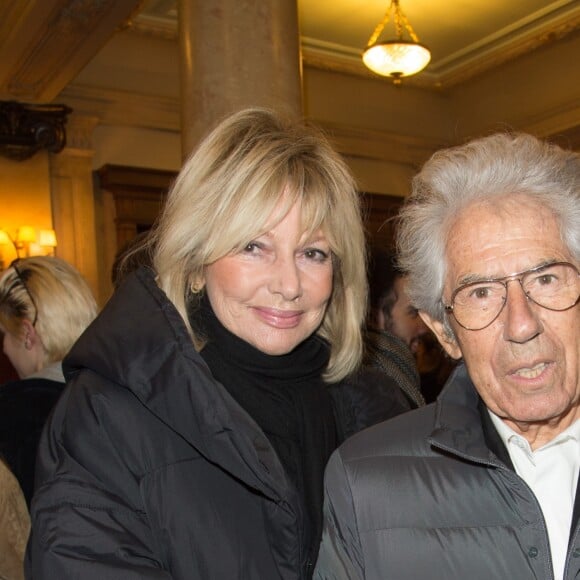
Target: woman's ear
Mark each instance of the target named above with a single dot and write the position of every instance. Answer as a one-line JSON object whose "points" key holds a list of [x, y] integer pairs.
{"points": [[447, 342], [29, 334]]}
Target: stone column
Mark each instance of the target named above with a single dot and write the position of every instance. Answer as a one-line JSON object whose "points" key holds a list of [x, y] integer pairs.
{"points": [[73, 206], [236, 54]]}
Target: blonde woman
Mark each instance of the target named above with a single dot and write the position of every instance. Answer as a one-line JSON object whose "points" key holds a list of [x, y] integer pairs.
{"points": [[194, 435]]}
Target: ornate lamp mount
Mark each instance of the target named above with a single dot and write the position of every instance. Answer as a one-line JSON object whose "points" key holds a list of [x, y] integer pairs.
{"points": [[25, 129]]}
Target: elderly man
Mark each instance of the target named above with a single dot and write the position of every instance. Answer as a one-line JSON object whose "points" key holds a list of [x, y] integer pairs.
{"points": [[483, 484]]}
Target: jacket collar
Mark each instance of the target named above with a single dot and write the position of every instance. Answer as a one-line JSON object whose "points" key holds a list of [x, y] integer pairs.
{"points": [[462, 424], [140, 342]]}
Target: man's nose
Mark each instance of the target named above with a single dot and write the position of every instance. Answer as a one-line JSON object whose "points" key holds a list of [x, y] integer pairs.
{"points": [[521, 317]]}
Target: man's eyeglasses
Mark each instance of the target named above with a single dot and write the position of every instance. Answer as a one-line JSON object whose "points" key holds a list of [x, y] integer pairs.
{"points": [[22, 281], [553, 286]]}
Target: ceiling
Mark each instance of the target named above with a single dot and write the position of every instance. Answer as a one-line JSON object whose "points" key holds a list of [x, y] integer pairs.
{"points": [[466, 37], [45, 44]]}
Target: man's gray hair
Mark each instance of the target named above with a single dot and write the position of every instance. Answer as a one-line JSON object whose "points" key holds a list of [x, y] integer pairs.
{"points": [[488, 168]]}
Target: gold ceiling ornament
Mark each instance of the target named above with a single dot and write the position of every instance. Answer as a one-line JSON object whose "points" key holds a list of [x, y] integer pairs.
{"points": [[396, 58]]}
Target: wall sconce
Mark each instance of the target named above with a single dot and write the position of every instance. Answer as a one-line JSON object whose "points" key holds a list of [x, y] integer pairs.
{"points": [[47, 240], [5, 240], [25, 236], [28, 242]]}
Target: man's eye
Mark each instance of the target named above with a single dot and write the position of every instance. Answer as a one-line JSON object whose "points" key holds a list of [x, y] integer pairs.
{"points": [[480, 292], [545, 279]]}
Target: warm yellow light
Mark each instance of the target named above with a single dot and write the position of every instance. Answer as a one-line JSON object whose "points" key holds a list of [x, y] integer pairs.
{"points": [[396, 58], [5, 239], [26, 235], [47, 238]]}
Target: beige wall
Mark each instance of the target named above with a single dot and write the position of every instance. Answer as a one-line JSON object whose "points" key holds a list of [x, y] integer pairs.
{"points": [[538, 92], [136, 147]]}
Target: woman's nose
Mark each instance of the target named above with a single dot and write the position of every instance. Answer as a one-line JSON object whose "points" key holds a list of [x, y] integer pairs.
{"points": [[286, 278]]}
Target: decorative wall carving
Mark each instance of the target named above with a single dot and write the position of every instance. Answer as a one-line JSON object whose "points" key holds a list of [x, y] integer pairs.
{"points": [[26, 129]]}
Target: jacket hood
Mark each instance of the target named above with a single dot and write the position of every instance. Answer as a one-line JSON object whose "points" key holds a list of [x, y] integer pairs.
{"points": [[140, 342]]}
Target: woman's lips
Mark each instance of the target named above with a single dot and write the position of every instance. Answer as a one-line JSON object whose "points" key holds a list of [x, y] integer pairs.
{"points": [[279, 318]]}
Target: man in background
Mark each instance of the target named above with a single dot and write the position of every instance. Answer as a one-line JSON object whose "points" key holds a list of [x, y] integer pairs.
{"points": [[397, 339]]}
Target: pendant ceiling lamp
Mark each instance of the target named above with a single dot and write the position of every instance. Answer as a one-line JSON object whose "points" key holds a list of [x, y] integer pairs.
{"points": [[396, 58]]}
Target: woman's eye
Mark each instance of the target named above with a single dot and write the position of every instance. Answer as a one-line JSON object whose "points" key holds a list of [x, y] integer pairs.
{"points": [[251, 248], [316, 254]]}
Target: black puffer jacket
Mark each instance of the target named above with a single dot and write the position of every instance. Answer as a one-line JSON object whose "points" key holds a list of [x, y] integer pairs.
{"points": [[150, 470]]}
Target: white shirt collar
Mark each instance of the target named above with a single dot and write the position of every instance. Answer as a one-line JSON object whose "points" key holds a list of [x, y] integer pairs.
{"points": [[508, 435], [52, 372]]}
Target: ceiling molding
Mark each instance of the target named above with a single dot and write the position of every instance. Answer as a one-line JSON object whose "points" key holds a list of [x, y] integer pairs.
{"points": [[458, 68], [537, 29], [496, 51], [114, 107], [377, 145], [45, 45]]}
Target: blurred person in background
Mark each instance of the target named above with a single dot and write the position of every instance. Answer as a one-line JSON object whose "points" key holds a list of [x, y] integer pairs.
{"points": [[14, 526], [397, 339], [45, 305]]}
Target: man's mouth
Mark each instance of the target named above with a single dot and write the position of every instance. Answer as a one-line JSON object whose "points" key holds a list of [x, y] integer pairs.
{"points": [[531, 372]]}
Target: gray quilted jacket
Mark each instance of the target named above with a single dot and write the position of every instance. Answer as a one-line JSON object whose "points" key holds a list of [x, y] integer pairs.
{"points": [[432, 494]]}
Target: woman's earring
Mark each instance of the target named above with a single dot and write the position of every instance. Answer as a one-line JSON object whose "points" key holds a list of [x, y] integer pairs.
{"points": [[27, 344], [196, 288]]}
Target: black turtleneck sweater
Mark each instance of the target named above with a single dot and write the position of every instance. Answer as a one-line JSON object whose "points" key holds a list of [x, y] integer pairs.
{"points": [[287, 398]]}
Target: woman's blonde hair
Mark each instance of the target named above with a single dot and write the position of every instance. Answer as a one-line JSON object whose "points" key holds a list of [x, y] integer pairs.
{"points": [[224, 196], [53, 296]]}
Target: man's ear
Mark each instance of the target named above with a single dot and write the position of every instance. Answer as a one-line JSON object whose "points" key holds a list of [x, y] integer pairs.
{"points": [[447, 342]]}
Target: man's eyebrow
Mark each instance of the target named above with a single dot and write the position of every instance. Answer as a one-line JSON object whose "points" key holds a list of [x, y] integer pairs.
{"points": [[474, 278]]}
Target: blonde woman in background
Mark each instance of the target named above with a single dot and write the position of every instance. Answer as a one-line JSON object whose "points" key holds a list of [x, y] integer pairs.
{"points": [[45, 304]]}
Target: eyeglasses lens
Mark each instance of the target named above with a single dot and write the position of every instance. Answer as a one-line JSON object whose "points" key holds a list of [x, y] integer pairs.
{"points": [[554, 287]]}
